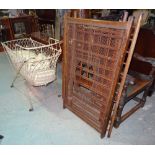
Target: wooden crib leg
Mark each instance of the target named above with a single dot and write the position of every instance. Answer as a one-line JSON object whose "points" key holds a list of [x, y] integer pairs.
{"points": [[56, 85]]}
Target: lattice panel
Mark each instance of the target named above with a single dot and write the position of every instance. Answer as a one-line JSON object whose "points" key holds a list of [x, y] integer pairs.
{"points": [[93, 58]]}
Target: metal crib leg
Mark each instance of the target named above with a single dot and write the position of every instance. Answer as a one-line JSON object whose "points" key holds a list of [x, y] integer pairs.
{"points": [[31, 106], [30, 101], [12, 84], [31, 109]]}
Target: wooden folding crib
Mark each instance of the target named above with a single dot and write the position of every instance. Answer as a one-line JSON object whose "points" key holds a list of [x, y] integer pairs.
{"points": [[96, 59]]}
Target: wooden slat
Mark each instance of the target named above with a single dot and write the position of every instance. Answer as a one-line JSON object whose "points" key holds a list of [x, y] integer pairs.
{"points": [[100, 23], [79, 113], [129, 113], [125, 74]]}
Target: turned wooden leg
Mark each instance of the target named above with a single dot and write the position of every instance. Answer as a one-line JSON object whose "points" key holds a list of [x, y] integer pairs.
{"points": [[102, 135], [121, 106], [119, 114], [64, 101], [143, 100], [64, 107]]}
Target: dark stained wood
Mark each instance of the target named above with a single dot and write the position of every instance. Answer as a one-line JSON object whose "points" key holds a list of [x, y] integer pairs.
{"points": [[30, 22], [138, 86], [46, 16], [133, 87], [145, 43], [130, 92], [125, 69], [145, 47], [6, 23]]}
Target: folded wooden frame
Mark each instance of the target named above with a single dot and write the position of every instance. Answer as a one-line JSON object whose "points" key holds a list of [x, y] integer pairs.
{"points": [[96, 59]]}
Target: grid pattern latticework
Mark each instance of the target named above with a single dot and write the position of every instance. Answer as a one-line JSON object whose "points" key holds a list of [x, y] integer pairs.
{"points": [[93, 56]]}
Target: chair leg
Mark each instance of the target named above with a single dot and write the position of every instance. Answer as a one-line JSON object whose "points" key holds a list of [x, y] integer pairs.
{"points": [[143, 100], [141, 103], [119, 114], [121, 106]]}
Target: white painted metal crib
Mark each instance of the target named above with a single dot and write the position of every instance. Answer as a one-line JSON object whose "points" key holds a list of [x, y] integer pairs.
{"points": [[35, 61]]}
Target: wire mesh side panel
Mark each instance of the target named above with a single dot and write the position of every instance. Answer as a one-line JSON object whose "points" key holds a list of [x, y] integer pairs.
{"points": [[36, 61], [93, 58]]}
